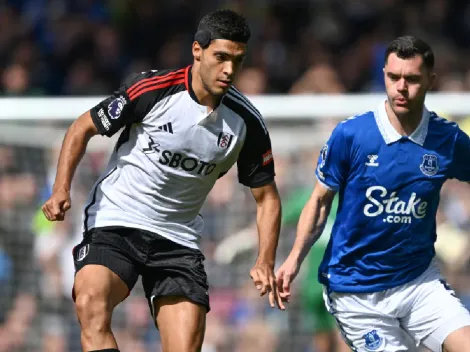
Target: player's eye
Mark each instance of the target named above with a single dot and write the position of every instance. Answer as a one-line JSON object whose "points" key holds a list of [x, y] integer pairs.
{"points": [[412, 79], [220, 57], [393, 77], [239, 60]]}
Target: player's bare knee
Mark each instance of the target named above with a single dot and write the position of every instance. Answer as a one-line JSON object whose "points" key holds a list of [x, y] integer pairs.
{"points": [[93, 311], [184, 341], [457, 341], [193, 344]]}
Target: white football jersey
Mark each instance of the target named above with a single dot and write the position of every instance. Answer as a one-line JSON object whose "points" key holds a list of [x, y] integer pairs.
{"points": [[170, 154]]}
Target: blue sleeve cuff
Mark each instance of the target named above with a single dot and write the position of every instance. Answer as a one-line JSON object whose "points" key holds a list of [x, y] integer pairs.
{"points": [[324, 184]]}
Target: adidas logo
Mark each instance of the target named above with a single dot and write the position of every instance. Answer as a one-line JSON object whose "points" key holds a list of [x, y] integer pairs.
{"points": [[166, 127]]}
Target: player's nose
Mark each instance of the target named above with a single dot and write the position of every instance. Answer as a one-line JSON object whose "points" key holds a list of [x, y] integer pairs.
{"points": [[228, 69], [401, 85]]}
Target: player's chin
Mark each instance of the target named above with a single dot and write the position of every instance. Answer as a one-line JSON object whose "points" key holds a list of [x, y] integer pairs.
{"points": [[220, 90], [400, 109]]}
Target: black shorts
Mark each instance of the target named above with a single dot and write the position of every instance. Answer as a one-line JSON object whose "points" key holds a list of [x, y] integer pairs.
{"points": [[167, 268]]}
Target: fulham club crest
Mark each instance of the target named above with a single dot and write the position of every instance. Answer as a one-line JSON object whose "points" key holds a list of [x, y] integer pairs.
{"points": [[224, 140], [82, 253]]}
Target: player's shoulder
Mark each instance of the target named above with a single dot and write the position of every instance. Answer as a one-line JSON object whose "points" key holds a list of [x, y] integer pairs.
{"points": [[350, 126], [159, 83], [239, 103], [441, 124], [135, 77]]}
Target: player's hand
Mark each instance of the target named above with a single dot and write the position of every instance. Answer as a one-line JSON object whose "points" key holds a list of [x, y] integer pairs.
{"points": [[56, 206], [284, 277], [265, 281]]}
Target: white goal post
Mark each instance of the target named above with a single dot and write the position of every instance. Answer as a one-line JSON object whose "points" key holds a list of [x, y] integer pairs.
{"points": [[295, 121]]}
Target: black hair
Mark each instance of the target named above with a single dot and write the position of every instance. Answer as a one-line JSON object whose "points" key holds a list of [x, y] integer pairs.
{"points": [[409, 46], [222, 24]]}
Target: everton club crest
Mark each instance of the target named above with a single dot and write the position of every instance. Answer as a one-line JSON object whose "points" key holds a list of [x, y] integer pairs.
{"points": [[373, 341], [429, 165]]}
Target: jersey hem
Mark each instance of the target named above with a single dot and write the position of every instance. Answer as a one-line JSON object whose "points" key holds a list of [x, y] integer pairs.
{"points": [[371, 288]]}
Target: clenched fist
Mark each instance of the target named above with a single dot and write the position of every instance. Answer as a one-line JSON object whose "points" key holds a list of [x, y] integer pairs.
{"points": [[56, 206]]}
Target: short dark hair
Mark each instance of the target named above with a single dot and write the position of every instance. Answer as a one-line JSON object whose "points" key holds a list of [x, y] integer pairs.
{"points": [[409, 46], [222, 24]]}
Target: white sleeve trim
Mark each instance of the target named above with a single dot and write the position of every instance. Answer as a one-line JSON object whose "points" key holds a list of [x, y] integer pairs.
{"points": [[329, 188]]}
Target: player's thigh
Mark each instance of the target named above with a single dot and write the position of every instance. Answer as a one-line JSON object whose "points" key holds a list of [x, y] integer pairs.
{"points": [[175, 270], [364, 328], [181, 322], [175, 283], [97, 290], [105, 272], [436, 314]]}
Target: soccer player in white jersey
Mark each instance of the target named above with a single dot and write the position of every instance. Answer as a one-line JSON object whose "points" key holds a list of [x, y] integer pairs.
{"points": [[183, 129], [388, 165]]}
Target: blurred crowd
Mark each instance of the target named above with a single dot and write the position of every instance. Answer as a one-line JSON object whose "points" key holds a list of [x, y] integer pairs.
{"points": [[86, 47], [83, 47]]}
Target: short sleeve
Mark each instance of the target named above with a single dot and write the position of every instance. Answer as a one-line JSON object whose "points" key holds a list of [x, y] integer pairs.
{"points": [[460, 165], [256, 161], [133, 100], [333, 161]]}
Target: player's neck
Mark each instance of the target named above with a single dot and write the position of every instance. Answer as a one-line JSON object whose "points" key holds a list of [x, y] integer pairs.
{"points": [[202, 94], [404, 124]]}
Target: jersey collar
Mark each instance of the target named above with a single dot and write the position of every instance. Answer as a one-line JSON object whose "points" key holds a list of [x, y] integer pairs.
{"points": [[187, 82], [188, 77], [390, 134]]}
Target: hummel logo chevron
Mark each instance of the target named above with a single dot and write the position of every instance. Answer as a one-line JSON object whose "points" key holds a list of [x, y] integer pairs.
{"points": [[166, 127]]}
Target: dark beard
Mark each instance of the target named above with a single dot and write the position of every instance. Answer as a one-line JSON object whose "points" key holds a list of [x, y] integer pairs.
{"points": [[206, 87]]}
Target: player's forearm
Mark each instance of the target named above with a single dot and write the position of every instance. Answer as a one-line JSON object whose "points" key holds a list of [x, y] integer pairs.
{"points": [[72, 151], [310, 227], [269, 223]]}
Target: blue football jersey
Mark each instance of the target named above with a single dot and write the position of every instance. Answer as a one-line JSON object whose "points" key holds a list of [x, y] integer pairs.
{"points": [[388, 188]]}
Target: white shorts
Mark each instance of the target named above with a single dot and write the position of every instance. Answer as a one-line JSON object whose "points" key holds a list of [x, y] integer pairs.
{"points": [[422, 312]]}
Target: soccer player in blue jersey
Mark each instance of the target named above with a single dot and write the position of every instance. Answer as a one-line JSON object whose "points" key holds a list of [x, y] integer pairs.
{"points": [[380, 279]]}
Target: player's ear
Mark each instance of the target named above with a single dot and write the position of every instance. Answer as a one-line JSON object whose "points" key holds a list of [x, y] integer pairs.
{"points": [[432, 80], [197, 51]]}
